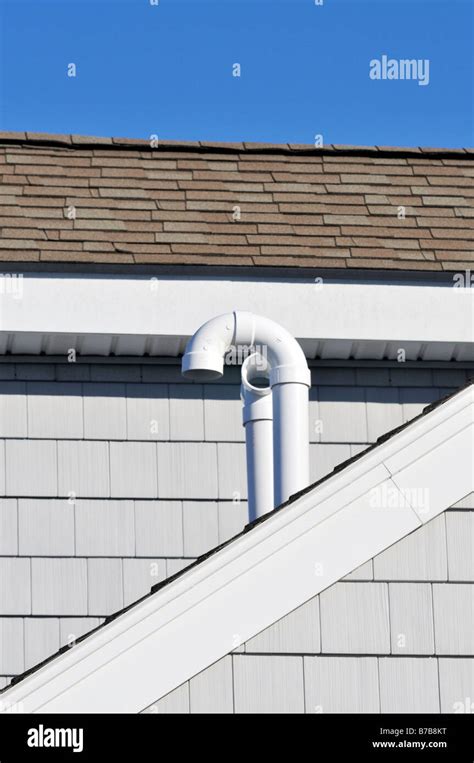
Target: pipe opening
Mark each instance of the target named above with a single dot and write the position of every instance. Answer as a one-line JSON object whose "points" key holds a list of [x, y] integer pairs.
{"points": [[255, 373], [202, 375], [260, 382]]}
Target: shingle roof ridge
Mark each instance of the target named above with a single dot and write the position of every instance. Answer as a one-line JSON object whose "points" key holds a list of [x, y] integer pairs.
{"points": [[96, 142]]}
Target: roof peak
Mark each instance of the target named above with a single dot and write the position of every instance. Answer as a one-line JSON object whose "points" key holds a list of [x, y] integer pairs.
{"points": [[153, 143]]}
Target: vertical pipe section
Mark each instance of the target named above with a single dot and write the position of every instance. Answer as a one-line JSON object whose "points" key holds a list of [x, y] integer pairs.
{"points": [[257, 418], [290, 440]]}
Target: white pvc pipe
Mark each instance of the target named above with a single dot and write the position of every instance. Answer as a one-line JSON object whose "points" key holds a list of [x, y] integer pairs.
{"points": [[290, 440], [203, 358], [257, 417], [289, 381]]}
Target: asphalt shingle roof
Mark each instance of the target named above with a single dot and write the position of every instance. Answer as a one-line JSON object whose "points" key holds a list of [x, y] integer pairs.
{"points": [[81, 199]]}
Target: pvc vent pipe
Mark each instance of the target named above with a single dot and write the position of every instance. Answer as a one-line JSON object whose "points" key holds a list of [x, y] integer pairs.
{"points": [[257, 418], [289, 380]]}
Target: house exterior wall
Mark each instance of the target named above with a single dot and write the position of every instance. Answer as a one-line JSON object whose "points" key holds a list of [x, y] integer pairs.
{"points": [[395, 636], [114, 476]]}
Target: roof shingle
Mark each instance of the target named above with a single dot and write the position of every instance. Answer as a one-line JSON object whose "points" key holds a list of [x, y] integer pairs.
{"points": [[107, 200]]}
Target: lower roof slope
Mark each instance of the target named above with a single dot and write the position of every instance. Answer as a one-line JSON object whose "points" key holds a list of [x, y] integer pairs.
{"points": [[76, 199], [278, 564]]}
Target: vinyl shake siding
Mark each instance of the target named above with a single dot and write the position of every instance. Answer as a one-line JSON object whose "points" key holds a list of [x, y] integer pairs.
{"points": [[114, 476], [395, 636]]}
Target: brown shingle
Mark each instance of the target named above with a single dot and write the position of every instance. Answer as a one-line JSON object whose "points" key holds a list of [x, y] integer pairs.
{"points": [[279, 240], [194, 259], [9, 135], [309, 261], [14, 243], [305, 250], [142, 248], [298, 206], [32, 221], [387, 232], [458, 265], [55, 256], [213, 144], [88, 140], [212, 249], [387, 253], [28, 256], [393, 264]]}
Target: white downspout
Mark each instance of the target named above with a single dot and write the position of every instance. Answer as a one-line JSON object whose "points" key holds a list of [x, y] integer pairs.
{"points": [[257, 418], [289, 381]]}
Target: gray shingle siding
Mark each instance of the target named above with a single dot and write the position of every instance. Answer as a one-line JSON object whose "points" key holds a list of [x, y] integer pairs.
{"points": [[355, 618], [45, 527], [105, 528], [31, 468], [139, 575], [148, 413], [8, 526], [13, 409], [12, 659], [59, 586], [453, 607], [297, 633], [419, 556], [83, 468], [341, 685], [411, 618], [54, 416], [114, 476], [268, 684], [15, 588], [176, 701], [365, 646], [104, 586], [212, 690], [456, 681], [409, 685], [41, 637], [460, 540]]}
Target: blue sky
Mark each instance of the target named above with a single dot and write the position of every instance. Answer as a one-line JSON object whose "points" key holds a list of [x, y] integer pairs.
{"points": [[166, 70]]}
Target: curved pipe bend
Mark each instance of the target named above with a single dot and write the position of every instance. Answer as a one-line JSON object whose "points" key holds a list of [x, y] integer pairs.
{"points": [[204, 355], [289, 379]]}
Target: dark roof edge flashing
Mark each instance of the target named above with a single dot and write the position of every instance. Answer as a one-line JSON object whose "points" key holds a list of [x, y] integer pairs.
{"points": [[265, 272]]}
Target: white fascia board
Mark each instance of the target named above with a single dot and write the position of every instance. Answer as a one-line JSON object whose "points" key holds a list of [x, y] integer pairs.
{"points": [[350, 315], [258, 578]]}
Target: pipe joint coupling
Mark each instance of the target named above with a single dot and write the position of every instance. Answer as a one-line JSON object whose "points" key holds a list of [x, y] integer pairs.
{"points": [[291, 374]]}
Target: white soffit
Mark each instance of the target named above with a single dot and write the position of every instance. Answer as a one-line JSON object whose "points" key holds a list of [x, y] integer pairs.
{"points": [[263, 574], [125, 315]]}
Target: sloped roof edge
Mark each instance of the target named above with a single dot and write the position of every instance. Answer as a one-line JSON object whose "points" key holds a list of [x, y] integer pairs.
{"points": [[252, 581], [143, 144]]}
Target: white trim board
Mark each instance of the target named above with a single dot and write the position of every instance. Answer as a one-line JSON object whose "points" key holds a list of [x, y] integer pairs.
{"points": [[263, 574], [134, 315]]}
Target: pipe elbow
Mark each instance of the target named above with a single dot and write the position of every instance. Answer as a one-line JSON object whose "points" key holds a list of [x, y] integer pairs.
{"points": [[203, 358], [286, 358]]}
